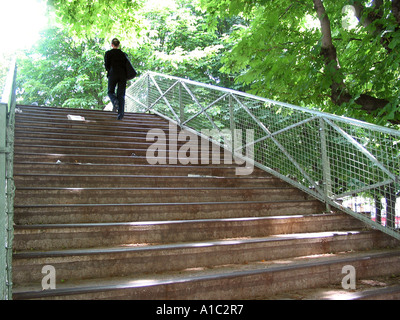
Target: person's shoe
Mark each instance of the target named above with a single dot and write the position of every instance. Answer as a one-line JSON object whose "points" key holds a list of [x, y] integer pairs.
{"points": [[120, 116], [115, 106]]}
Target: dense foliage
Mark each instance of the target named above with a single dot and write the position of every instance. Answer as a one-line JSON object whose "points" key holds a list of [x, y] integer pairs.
{"points": [[310, 53], [66, 67], [337, 56], [62, 72]]}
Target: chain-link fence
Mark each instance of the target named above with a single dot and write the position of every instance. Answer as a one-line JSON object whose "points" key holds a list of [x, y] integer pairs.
{"points": [[350, 165]]}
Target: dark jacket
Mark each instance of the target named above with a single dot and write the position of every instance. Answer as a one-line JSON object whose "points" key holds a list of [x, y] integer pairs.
{"points": [[115, 62]]}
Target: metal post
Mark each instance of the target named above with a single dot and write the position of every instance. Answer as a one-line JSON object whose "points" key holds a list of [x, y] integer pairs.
{"points": [[181, 106], [7, 190], [148, 92], [232, 125], [325, 164], [3, 211]]}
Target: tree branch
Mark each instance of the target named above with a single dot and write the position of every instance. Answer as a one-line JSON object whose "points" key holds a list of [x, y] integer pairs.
{"points": [[339, 94], [372, 19], [328, 52]]}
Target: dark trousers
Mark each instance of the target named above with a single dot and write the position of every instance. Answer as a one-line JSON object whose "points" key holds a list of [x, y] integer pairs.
{"points": [[113, 82]]}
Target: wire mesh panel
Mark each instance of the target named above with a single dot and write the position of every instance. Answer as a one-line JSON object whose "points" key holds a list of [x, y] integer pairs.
{"points": [[348, 164]]}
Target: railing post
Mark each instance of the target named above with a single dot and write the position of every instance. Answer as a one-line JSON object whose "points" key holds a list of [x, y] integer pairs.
{"points": [[148, 92], [3, 200], [326, 168], [181, 106], [232, 125], [7, 190]]}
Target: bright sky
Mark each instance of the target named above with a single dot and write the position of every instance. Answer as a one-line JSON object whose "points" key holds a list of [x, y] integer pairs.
{"points": [[20, 23]]}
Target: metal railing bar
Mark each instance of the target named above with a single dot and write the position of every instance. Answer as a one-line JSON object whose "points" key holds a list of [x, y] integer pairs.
{"points": [[363, 189], [163, 97], [317, 195], [260, 124], [300, 123], [162, 94], [199, 104], [279, 132], [205, 109], [284, 104], [134, 99], [361, 149], [280, 146]]}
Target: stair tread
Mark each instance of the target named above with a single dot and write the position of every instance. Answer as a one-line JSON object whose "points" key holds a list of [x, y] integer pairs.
{"points": [[383, 287], [167, 222], [124, 165], [157, 188], [280, 238], [159, 203], [199, 274]]}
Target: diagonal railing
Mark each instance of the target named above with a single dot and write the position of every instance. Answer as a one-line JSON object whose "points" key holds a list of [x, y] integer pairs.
{"points": [[350, 165], [7, 122]]}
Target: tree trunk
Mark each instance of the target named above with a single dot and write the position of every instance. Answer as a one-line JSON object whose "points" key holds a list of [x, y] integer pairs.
{"points": [[339, 94]]}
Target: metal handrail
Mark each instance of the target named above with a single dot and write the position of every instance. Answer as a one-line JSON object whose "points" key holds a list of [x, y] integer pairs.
{"points": [[7, 189], [337, 160]]}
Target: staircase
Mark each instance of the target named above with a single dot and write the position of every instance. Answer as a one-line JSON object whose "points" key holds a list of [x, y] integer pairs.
{"points": [[115, 227]]}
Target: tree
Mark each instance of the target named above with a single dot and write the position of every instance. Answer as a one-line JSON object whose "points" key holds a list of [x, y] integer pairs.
{"points": [[171, 36], [98, 17], [62, 72], [304, 52], [176, 41]]}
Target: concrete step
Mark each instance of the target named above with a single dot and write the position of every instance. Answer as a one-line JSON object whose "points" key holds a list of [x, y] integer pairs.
{"points": [[367, 288], [387, 293], [122, 150], [33, 196], [126, 158], [53, 111], [97, 263], [67, 138], [90, 235], [143, 148], [253, 280], [81, 121], [115, 143], [120, 132], [103, 213], [127, 169], [111, 125], [50, 112], [89, 203], [133, 181], [152, 156]]}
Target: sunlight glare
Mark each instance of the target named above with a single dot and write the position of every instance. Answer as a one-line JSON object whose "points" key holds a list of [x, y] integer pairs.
{"points": [[21, 22]]}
